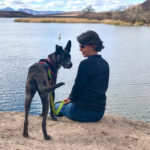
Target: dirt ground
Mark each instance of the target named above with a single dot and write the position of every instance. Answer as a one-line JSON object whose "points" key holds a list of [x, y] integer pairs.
{"points": [[111, 133]]}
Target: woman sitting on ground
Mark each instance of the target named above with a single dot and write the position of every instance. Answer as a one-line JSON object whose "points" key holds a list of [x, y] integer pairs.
{"points": [[87, 100]]}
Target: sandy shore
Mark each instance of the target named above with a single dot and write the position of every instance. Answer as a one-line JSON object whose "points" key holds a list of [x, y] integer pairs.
{"points": [[112, 133]]}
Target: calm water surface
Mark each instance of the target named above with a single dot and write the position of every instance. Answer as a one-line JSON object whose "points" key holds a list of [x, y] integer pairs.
{"points": [[127, 49]]}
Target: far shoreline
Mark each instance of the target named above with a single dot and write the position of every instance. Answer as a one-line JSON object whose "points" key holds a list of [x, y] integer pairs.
{"points": [[78, 20]]}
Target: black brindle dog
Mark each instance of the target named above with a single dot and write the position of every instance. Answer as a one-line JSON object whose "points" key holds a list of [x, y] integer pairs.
{"points": [[38, 80]]}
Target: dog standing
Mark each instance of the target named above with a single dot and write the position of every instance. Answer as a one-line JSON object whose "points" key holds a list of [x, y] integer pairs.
{"points": [[38, 80]]}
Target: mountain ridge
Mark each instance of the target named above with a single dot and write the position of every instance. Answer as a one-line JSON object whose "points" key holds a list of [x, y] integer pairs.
{"points": [[31, 11], [10, 14]]}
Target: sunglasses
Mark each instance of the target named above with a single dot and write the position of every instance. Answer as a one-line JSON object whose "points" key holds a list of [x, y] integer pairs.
{"points": [[82, 46]]}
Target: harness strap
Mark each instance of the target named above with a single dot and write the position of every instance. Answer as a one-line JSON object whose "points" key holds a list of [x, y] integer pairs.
{"points": [[49, 65]]}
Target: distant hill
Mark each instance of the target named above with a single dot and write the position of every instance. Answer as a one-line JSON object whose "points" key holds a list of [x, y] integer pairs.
{"points": [[14, 14], [31, 11], [7, 9], [35, 12], [146, 5], [70, 14], [136, 14]]}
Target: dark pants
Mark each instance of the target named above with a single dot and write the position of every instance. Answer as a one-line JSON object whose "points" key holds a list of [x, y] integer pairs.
{"points": [[73, 112]]}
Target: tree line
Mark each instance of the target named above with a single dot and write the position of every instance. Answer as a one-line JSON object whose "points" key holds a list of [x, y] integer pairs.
{"points": [[132, 14]]}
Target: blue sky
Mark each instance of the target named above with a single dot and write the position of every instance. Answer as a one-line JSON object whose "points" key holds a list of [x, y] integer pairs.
{"points": [[67, 5]]}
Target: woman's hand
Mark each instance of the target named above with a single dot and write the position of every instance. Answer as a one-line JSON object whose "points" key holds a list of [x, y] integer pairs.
{"points": [[67, 101]]}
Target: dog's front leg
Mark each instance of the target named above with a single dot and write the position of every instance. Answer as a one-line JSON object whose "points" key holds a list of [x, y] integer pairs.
{"points": [[52, 115]]}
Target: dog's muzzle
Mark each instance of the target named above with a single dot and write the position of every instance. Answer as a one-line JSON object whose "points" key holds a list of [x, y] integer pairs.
{"points": [[68, 65]]}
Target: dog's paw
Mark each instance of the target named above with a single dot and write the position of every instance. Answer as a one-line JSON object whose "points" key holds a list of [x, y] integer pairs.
{"points": [[26, 135], [53, 118], [47, 137], [41, 115]]}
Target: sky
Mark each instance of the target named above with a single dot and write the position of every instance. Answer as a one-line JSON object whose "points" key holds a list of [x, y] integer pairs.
{"points": [[67, 5]]}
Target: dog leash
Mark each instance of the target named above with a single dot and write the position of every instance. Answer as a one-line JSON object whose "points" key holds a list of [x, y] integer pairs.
{"points": [[56, 112]]}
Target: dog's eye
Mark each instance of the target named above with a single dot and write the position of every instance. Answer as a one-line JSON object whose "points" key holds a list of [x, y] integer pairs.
{"points": [[65, 57], [62, 57]]}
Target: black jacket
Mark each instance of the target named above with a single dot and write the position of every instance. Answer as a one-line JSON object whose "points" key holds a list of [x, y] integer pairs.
{"points": [[91, 84]]}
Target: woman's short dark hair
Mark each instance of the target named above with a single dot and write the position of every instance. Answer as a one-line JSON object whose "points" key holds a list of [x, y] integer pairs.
{"points": [[91, 38]]}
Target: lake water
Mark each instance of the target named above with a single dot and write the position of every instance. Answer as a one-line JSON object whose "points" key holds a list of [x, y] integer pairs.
{"points": [[127, 50]]}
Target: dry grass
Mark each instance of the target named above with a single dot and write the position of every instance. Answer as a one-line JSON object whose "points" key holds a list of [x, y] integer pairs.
{"points": [[57, 20], [122, 23], [77, 20], [116, 22]]}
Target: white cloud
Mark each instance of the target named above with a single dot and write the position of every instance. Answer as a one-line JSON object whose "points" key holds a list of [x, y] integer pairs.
{"points": [[74, 2], [55, 4], [64, 5], [105, 5], [32, 4], [74, 5], [24, 1], [98, 5], [13, 3]]}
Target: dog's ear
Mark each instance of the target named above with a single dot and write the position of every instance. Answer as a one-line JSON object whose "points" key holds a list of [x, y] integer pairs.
{"points": [[59, 49], [68, 47]]}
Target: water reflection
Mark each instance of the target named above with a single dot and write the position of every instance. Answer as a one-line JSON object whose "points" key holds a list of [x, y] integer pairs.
{"points": [[126, 50]]}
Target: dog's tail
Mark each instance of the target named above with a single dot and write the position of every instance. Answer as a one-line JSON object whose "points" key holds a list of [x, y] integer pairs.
{"points": [[54, 86]]}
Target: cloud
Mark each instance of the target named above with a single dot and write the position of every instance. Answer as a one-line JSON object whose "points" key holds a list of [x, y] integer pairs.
{"points": [[20, 2], [74, 5], [24, 1], [55, 3], [105, 5], [66, 5], [98, 5]]}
